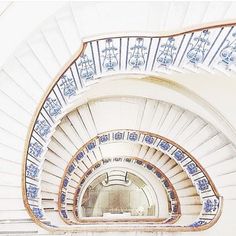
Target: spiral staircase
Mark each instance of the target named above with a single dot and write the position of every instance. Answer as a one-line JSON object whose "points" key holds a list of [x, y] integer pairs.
{"points": [[186, 106]]}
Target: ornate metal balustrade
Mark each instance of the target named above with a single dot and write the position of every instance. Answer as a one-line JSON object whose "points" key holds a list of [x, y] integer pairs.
{"points": [[205, 188], [211, 49], [64, 200]]}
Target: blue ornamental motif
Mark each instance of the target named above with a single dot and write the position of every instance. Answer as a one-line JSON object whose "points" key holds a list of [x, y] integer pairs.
{"points": [[52, 106], [65, 183], [71, 168], [166, 183], [137, 56], [110, 60], [198, 223], [164, 145], [179, 155], [80, 156], [172, 195], [192, 168], [211, 205], [35, 149], [91, 146], [32, 191], [32, 171], [63, 213], [68, 86], [37, 212], [63, 197], [118, 136], [149, 139], [166, 57], [159, 175], [133, 136], [86, 68], [104, 138], [42, 128], [203, 184], [228, 54], [197, 52], [149, 167]]}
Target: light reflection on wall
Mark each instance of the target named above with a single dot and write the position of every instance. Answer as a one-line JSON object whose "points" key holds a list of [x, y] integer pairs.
{"points": [[117, 194]]}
